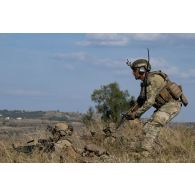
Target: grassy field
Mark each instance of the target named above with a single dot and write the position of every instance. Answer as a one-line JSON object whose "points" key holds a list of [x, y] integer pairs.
{"points": [[176, 144]]}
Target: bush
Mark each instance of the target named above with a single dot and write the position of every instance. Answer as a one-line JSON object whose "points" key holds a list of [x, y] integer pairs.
{"points": [[111, 101]]}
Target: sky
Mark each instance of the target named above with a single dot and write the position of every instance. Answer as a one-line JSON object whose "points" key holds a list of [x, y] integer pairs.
{"points": [[60, 71]]}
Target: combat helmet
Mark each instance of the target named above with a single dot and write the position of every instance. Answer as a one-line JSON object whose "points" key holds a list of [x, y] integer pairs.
{"points": [[140, 63]]}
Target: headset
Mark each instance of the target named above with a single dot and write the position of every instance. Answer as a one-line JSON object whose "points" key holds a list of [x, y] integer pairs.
{"points": [[142, 70]]}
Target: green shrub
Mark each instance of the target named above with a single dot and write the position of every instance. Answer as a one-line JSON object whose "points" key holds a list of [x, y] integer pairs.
{"points": [[111, 101]]}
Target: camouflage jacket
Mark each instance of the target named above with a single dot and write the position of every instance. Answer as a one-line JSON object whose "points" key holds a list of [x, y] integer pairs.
{"points": [[155, 84]]}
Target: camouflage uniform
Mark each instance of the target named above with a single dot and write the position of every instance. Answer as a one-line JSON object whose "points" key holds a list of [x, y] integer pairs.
{"points": [[165, 111], [157, 91]]}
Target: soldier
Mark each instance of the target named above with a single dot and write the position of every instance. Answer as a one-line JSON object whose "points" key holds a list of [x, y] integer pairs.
{"points": [[157, 91]]}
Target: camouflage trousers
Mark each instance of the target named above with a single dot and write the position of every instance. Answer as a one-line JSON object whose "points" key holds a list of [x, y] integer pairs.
{"points": [[158, 120]]}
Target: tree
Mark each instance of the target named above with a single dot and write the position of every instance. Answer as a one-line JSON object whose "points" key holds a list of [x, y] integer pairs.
{"points": [[111, 101]]}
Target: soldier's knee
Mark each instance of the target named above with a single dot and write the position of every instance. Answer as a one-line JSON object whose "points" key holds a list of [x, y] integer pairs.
{"points": [[151, 127], [161, 118]]}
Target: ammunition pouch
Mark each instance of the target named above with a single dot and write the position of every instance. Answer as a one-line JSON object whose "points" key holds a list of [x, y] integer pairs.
{"points": [[171, 91], [177, 92], [163, 97], [174, 89]]}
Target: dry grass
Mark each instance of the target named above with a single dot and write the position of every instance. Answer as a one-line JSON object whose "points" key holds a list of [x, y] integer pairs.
{"points": [[176, 144]]}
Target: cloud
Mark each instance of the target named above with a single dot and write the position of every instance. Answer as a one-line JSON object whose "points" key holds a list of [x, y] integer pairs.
{"points": [[71, 56], [85, 58], [172, 70], [123, 39], [164, 66], [188, 74], [105, 39], [118, 39], [117, 67], [146, 36]]}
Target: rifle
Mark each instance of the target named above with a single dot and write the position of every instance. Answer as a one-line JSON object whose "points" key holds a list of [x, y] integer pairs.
{"points": [[124, 115]]}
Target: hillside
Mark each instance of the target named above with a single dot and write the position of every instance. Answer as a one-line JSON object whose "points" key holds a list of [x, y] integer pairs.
{"points": [[45, 115]]}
